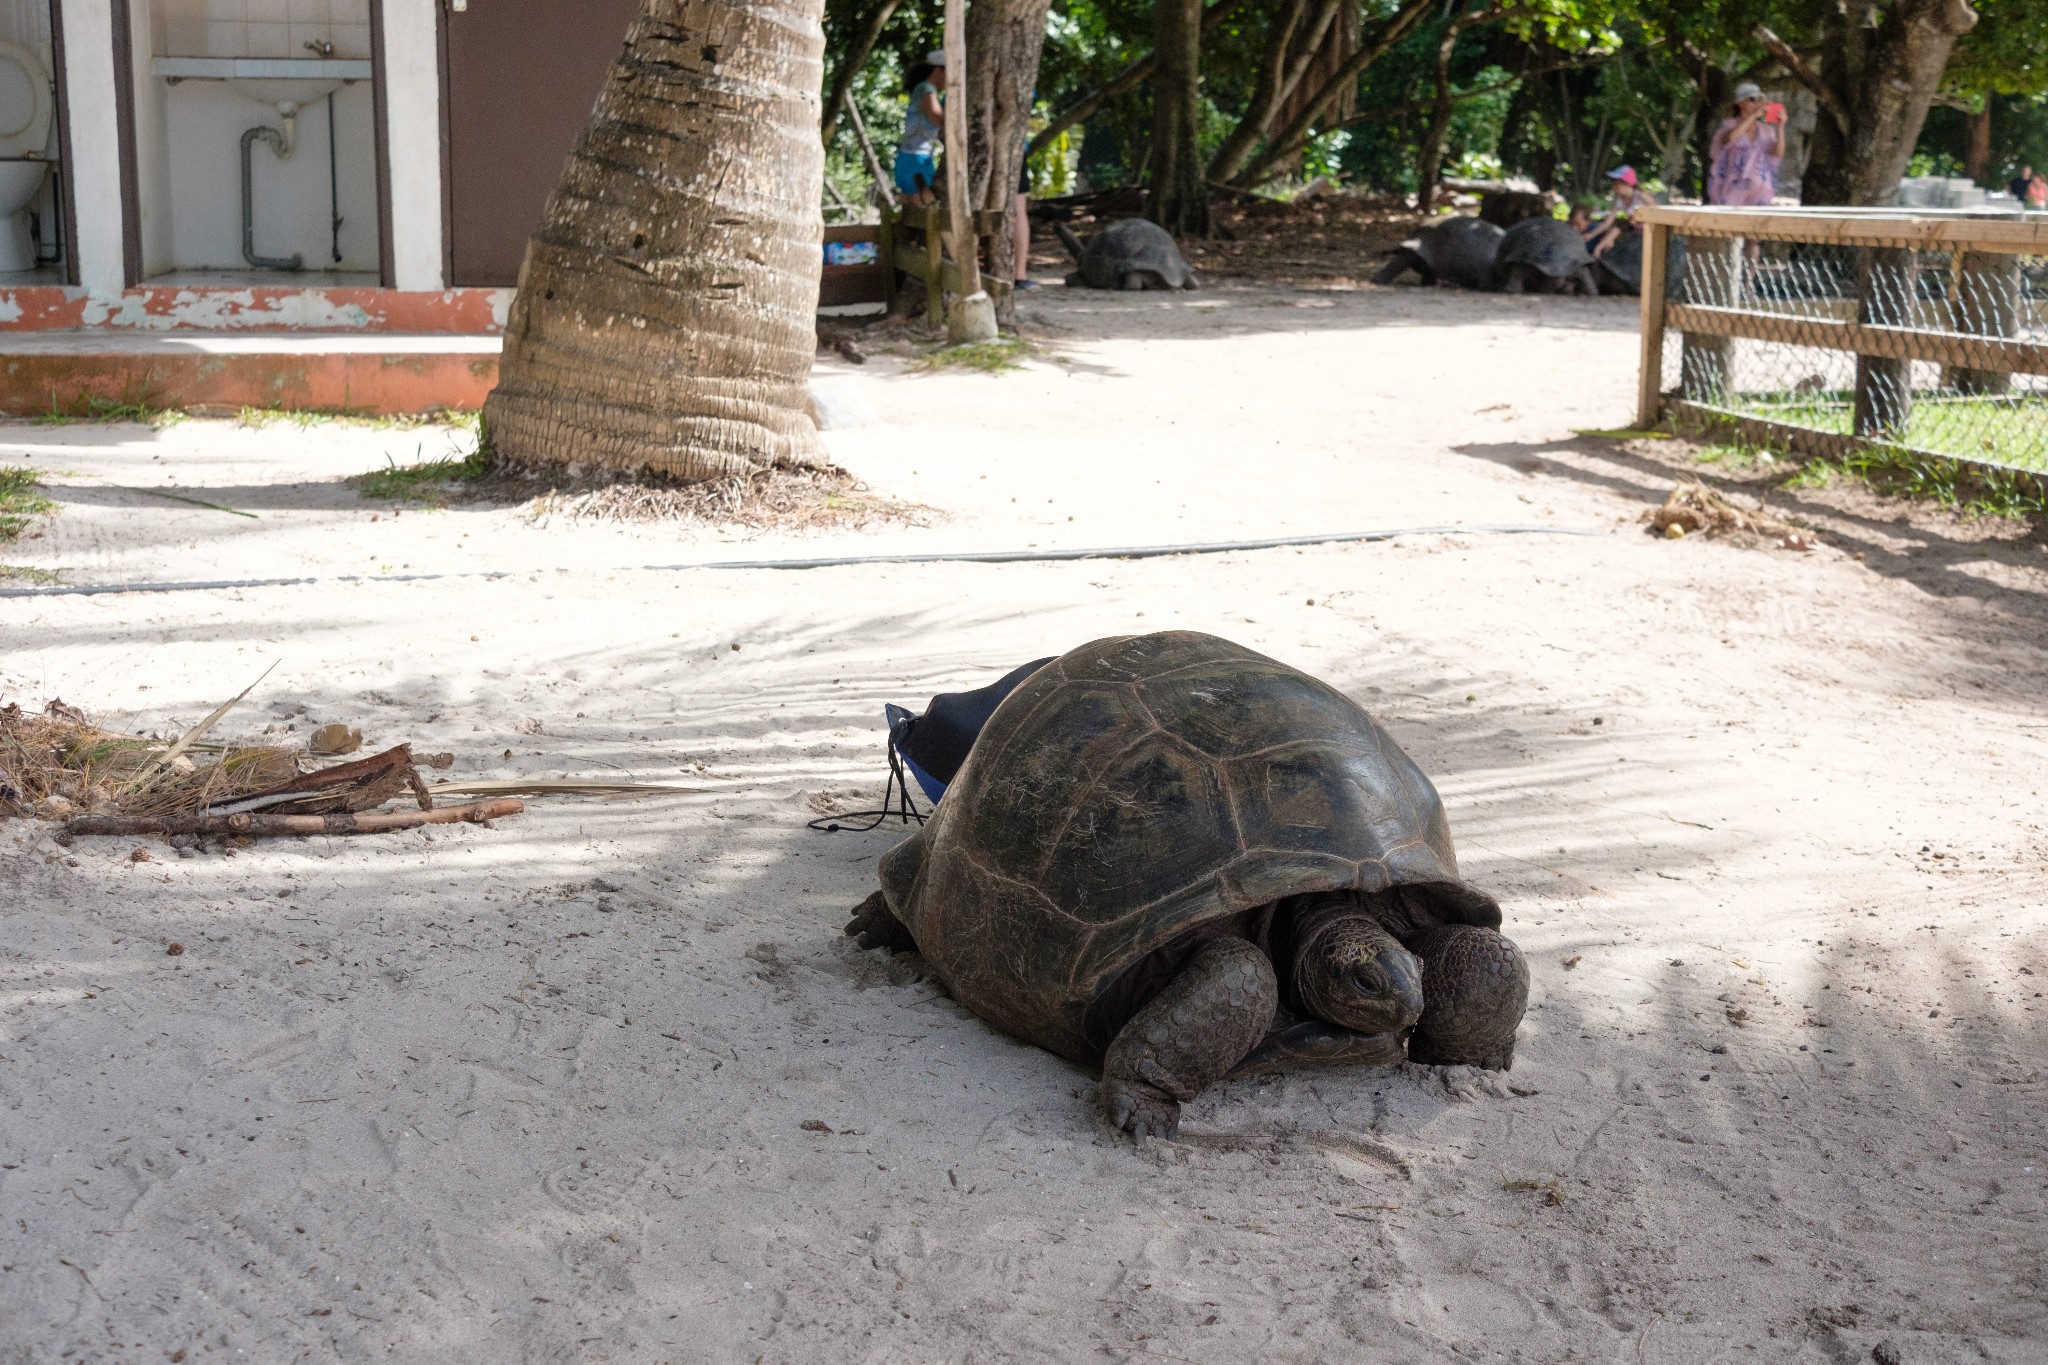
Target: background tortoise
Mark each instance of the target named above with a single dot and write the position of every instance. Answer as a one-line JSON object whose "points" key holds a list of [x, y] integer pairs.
{"points": [[1179, 860], [1131, 253], [1620, 267], [1543, 256], [1459, 249]]}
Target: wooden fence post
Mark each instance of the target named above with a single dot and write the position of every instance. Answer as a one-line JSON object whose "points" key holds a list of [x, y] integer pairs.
{"points": [[1987, 303], [1649, 393], [1887, 279]]}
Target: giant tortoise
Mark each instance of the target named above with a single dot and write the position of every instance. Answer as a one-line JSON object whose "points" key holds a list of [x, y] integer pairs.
{"points": [[1543, 256], [1179, 860], [1131, 253], [1620, 267], [1459, 250]]}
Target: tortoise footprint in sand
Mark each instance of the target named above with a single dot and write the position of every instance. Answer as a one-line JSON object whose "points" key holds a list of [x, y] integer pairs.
{"points": [[592, 1187], [1178, 860]]}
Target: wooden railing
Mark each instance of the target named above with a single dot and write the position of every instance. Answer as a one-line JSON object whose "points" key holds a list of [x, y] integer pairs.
{"points": [[1912, 329]]}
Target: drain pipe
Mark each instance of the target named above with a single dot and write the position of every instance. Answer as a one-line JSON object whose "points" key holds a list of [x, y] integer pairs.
{"points": [[282, 144], [333, 180]]}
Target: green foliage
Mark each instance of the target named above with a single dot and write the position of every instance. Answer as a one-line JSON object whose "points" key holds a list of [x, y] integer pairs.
{"points": [[1000, 356], [425, 482], [137, 409], [1937, 162], [21, 501], [28, 573], [1972, 489], [1628, 97]]}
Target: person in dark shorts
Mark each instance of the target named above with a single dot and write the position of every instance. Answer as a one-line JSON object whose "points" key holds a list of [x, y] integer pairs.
{"points": [[917, 155]]}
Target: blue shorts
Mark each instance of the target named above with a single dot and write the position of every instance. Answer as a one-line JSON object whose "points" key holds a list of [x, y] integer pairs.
{"points": [[915, 173]]}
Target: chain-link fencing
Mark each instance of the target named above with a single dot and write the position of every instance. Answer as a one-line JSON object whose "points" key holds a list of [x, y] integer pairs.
{"points": [[1825, 331]]}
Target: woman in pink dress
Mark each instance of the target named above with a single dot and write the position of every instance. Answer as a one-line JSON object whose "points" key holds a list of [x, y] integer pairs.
{"points": [[1746, 150]]}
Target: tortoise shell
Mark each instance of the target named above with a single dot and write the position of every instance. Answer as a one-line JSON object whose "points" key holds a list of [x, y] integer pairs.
{"points": [[1134, 244], [1459, 249], [1550, 246], [1136, 796]]}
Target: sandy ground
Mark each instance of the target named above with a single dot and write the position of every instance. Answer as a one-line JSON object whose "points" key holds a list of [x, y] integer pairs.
{"points": [[1769, 825]]}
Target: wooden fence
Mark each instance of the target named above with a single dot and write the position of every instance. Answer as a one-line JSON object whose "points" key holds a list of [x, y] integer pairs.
{"points": [[1827, 330]]}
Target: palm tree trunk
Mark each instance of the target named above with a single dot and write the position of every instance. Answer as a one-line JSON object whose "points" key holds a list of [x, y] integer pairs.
{"points": [[665, 314]]}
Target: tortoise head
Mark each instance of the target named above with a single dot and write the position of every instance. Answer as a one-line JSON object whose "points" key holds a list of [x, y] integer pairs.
{"points": [[1351, 972], [1477, 985]]}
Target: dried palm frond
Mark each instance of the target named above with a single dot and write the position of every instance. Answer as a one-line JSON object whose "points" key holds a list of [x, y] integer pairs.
{"points": [[1693, 506]]}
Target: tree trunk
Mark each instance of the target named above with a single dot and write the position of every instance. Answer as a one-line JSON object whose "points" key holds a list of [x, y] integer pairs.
{"points": [[665, 318], [1180, 197], [1430, 158], [1886, 77], [1117, 86], [850, 68], [1004, 40], [1281, 67], [1294, 135], [1977, 151]]}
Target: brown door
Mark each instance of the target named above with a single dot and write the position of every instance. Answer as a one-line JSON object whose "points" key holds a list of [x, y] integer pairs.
{"points": [[522, 77]]}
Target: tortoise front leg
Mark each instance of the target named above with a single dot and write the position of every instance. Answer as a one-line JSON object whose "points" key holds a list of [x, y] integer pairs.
{"points": [[1188, 1037], [876, 927], [1297, 1043]]}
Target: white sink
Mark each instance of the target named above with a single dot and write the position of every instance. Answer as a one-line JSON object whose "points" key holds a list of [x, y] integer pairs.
{"points": [[287, 83]]}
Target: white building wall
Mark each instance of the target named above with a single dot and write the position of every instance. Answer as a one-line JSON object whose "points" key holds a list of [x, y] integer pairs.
{"points": [[412, 98], [95, 145]]}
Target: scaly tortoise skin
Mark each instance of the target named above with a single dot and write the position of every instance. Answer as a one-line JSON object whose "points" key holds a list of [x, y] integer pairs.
{"points": [[1145, 829]]}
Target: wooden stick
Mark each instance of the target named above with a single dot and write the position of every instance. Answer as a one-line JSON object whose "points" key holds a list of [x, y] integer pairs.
{"points": [[340, 822], [966, 256], [867, 150]]}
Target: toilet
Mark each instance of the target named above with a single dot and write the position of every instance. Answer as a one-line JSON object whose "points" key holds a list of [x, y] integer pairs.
{"points": [[25, 108]]}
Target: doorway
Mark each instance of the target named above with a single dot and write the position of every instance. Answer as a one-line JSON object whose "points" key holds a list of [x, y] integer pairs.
{"points": [[521, 79]]}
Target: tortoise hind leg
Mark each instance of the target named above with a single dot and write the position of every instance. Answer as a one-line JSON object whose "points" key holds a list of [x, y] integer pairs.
{"points": [[1190, 1035], [877, 927]]}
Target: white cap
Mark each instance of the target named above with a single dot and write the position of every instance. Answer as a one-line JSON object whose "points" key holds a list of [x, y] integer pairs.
{"points": [[1748, 90], [936, 57]]}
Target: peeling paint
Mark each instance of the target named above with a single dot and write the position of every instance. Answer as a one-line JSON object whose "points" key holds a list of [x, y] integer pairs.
{"points": [[467, 312]]}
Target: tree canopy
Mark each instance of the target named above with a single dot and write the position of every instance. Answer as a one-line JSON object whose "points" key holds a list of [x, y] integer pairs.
{"points": [[1390, 93]]}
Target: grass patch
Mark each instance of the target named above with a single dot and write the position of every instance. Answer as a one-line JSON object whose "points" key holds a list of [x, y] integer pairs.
{"points": [[1963, 486], [301, 418], [1000, 356], [137, 410], [1975, 490], [21, 501], [1736, 455], [2010, 430], [426, 482], [25, 573], [1622, 433]]}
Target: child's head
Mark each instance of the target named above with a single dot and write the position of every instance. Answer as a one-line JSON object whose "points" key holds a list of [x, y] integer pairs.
{"points": [[1580, 216]]}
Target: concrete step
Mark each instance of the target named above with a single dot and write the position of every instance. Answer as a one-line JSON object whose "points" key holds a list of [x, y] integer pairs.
{"points": [[378, 373]]}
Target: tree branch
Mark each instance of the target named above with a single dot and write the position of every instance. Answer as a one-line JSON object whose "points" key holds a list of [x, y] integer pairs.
{"points": [[1805, 75], [842, 80], [1295, 135], [1122, 83]]}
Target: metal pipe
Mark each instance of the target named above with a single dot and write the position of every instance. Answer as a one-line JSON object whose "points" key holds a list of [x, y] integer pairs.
{"points": [[840, 561], [282, 146], [333, 174]]}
